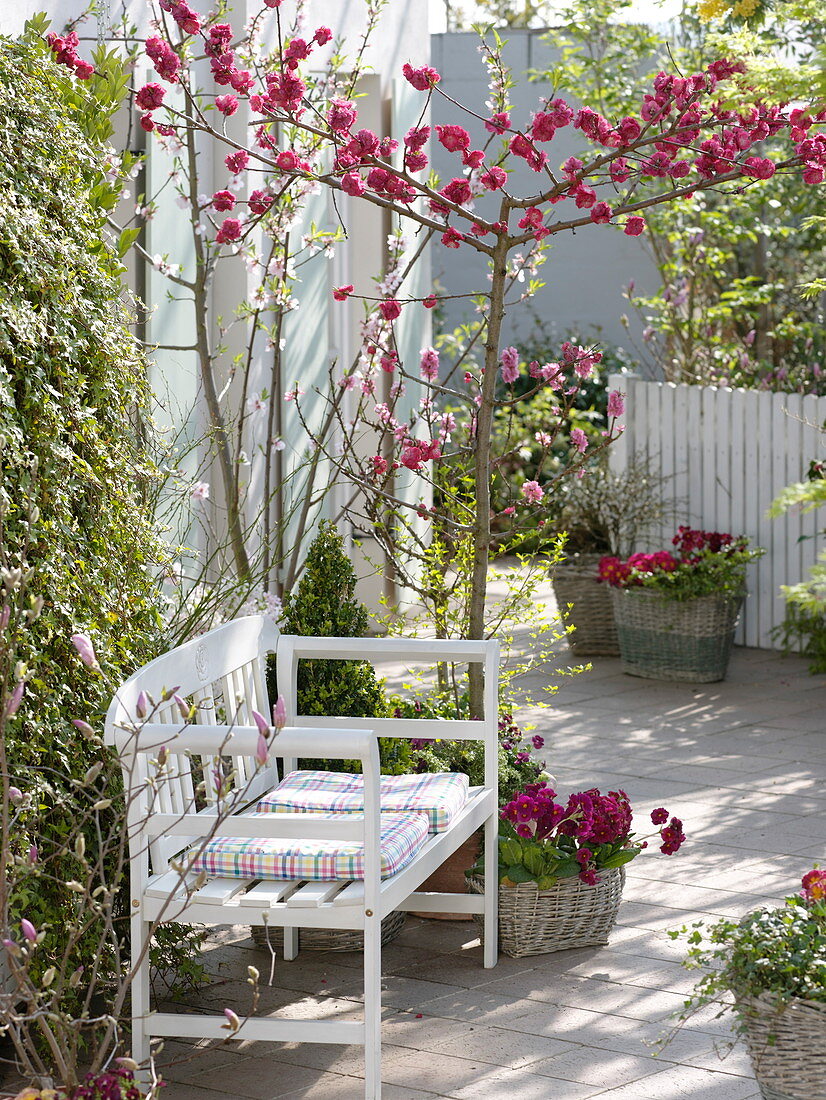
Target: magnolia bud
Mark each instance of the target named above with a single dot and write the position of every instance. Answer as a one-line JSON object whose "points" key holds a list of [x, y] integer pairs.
{"points": [[279, 713], [29, 930], [85, 650], [233, 1022]]}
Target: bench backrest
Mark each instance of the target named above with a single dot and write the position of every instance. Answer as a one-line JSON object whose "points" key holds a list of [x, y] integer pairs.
{"points": [[223, 674]]}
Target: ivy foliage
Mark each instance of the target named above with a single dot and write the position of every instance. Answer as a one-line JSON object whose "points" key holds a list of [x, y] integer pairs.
{"points": [[72, 385], [780, 951]]}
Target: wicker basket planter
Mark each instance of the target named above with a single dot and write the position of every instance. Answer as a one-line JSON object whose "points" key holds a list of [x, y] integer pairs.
{"points": [[570, 914], [329, 939], [577, 582], [787, 1047], [665, 639]]}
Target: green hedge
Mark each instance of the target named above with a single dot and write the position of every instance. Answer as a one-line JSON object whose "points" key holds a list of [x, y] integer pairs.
{"points": [[72, 385]]}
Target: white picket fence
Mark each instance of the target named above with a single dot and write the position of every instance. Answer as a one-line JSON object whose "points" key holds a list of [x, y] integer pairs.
{"points": [[726, 454]]}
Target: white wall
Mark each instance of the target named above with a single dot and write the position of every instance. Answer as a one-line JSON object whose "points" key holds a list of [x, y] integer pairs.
{"points": [[585, 273]]}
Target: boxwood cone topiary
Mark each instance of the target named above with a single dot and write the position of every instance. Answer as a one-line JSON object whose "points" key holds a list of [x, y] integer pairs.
{"points": [[325, 604]]}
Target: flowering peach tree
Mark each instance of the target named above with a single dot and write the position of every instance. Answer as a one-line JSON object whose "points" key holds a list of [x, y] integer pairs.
{"points": [[683, 138]]}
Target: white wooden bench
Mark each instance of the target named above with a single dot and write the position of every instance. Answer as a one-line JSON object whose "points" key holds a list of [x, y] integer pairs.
{"points": [[188, 783]]}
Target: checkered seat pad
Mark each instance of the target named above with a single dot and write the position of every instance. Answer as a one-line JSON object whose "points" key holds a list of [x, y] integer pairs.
{"points": [[440, 795], [402, 835]]}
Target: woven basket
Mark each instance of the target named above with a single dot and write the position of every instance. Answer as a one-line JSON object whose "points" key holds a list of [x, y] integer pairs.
{"points": [[570, 914], [665, 639], [329, 939], [577, 582], [787, 1047]]}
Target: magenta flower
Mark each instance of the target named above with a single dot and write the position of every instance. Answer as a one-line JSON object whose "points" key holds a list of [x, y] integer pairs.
{"points": [[659, 816], [341, 115], [230, 231], [237, 162], [390, 309], [150, 97], [226, 104], [223, 200], [634, 226], [29, 930], [422, 79]]}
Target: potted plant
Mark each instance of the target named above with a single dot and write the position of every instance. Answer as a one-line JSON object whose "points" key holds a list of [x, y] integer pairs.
{"points": [[561, 867], [676, 614], [769, 968], [603, 513]]}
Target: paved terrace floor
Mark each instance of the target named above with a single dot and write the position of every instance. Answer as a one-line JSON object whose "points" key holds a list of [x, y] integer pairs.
{"points": [[741, 762]]}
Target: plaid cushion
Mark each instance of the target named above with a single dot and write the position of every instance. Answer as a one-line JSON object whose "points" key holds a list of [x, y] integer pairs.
{"points": [[241, 857], [440, 795]]}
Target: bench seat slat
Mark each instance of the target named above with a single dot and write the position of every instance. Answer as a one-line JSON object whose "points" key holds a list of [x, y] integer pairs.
{"points": [[267, 894], [315, 893]]}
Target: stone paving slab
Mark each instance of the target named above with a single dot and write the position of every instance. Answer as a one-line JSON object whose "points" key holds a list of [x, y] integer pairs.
{"points": [[743, 762]]}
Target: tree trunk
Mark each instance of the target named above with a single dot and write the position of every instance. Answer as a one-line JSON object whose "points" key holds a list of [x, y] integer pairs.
{"points": [[484, 424], [219, 434]]}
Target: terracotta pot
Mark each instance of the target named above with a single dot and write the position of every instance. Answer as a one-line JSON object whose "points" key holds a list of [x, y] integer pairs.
{"points": [[450, 877]]}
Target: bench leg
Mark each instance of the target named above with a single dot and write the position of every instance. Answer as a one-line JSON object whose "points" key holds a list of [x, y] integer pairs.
{"points": [[372, 1008], [140, 992], [491, 914], [290, 944]]}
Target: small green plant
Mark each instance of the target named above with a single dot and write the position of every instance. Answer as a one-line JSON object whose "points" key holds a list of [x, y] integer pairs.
{"points": [[804, 628], [606, 512], [777, 951]]}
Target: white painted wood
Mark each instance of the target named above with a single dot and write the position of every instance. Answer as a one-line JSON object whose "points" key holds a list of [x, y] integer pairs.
{"points": [[173, 1024], [223, 672], [434, 902], [314, 893], [266, 894], [221, 891]]}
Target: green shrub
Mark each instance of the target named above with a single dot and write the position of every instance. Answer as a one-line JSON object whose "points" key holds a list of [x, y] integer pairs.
{"points": [[325, 605], [72, 384]]}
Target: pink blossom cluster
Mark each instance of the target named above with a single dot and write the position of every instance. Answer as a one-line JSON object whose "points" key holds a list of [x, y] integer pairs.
{"points": [[166, 61], [416, 452], [65, 51], [182, 13]]}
